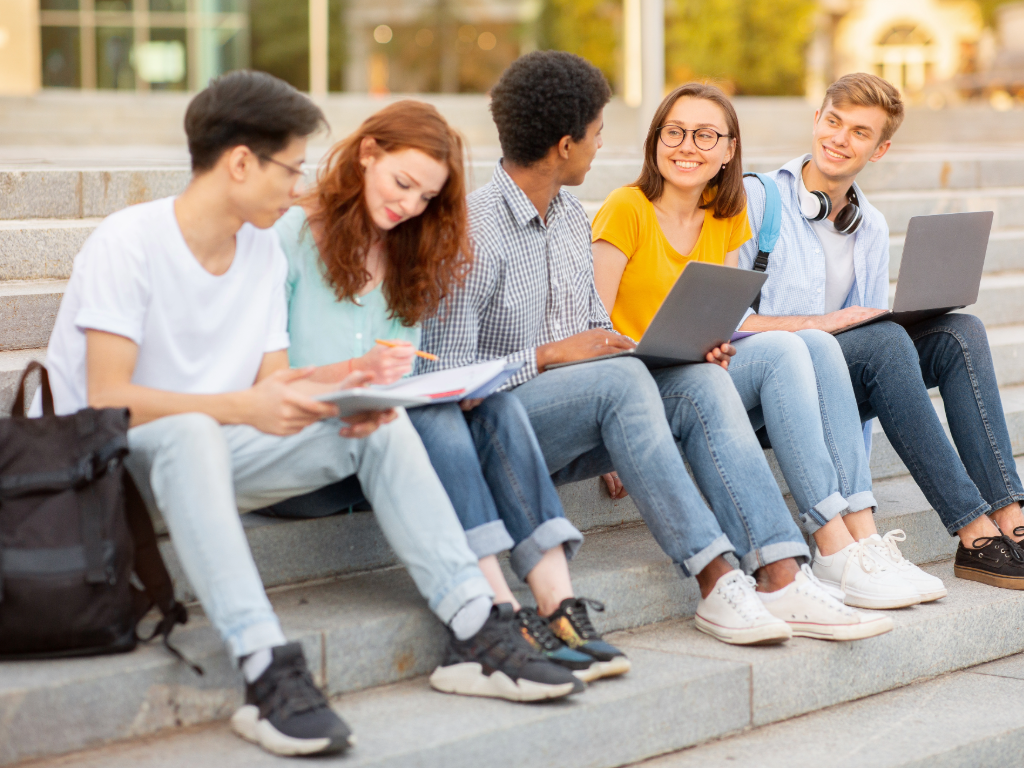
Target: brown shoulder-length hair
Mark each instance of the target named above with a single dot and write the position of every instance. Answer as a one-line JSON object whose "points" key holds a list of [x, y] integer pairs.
{"points": [[426, 256], [725, 191]]}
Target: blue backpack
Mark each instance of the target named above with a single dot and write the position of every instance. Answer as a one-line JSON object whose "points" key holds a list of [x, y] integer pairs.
{"points": [[771, 225]]}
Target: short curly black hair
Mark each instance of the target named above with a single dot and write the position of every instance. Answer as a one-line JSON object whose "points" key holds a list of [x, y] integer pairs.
{"points": [[542, 97]]}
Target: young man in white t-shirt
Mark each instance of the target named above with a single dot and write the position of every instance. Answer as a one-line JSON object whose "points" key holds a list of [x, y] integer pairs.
{"points": [[176, 310]]}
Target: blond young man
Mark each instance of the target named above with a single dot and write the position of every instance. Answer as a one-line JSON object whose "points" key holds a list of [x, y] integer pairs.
{"points": [[833, 272]]}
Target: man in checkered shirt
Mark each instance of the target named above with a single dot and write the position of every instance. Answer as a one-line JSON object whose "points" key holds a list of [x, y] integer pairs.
{"points": [[531, 297]]}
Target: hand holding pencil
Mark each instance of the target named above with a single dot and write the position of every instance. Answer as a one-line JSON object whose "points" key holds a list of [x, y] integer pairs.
{"points": [[395, 344]]}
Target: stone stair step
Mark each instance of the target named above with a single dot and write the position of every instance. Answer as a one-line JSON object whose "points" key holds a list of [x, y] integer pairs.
{"points": [[685, 688], [11, 366], [1005, 252], [948, 722], [40, 249], [999, 299], [1007, 345], [28, 309], [899, 206]]}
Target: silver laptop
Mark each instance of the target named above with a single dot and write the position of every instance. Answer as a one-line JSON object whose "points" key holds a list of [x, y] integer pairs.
{"points": [[943, 258], [700, 313]]}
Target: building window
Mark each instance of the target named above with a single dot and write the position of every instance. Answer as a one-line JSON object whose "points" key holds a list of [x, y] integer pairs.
{"points": [[905, 56]]}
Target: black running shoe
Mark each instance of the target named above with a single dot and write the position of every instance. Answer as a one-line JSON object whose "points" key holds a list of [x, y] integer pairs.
{"points": [[995, 560], [538, 634], [571, 624], [498, 662], [286, 714]]}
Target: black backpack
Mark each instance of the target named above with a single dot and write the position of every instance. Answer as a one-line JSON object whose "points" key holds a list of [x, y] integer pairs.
{"points": [[73, 530]]}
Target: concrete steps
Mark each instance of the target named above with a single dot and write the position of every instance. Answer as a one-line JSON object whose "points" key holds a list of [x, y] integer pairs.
{"points": [[968, 719], [685, 689]]}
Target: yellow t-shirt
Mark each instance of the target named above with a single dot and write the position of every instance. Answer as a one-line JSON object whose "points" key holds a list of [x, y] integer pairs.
{"points": [[627, 220]]}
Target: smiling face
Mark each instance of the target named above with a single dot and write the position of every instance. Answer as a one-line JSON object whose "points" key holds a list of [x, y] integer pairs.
{"points": [[846, 138], [687, 167], [399, 185]]}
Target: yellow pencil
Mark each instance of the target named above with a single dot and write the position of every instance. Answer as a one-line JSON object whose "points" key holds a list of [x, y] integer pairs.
{"points": [[424, 355]]}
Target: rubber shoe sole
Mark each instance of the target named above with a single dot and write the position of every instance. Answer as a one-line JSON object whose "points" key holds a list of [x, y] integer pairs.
{"points": [[992, 579], [859, 631], [246, 723], [881, 603], [468, 679], [768, 634], [928, 597], [620, 665]]}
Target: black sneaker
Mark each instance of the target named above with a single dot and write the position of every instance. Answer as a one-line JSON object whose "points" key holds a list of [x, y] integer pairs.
{"points": [[286, 714], [571, 624], [995, 560], [538, 634], [498, 662]]}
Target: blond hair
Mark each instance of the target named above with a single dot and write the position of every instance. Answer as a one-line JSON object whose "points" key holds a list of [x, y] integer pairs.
{"points": [[863, 90]]}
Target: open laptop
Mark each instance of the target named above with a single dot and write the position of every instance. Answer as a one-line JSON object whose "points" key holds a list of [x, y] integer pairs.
{"points": [[943, 258], [700, 313]]}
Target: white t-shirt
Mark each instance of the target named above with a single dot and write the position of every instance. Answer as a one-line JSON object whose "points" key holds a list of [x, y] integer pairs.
{"points": [[838, 249], [197, 333]]}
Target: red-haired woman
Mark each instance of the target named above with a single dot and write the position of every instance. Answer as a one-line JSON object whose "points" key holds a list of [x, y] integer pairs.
{"points": [[373, 250]]}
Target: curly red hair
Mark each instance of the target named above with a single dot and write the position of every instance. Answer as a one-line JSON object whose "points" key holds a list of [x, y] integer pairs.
{"points": [[425, 256]]}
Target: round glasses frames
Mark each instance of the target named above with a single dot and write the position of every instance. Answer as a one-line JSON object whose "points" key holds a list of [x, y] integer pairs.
{"points": [[703, 138]]}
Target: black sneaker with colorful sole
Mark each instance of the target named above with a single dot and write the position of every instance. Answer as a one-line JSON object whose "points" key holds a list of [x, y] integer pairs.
{"points": [[536, 631], [571, 624]]}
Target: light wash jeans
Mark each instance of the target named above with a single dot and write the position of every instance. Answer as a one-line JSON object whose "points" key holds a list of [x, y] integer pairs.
{"points": [[798, 387], [608, 414], [200, 474], [493, 470]]}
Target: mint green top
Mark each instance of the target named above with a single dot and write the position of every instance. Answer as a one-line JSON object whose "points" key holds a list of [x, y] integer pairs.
{"points": [[324, 330]]}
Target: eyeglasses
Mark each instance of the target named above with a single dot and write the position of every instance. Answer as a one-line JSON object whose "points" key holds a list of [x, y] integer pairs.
{"points": [[290, 169], [703, 138]]}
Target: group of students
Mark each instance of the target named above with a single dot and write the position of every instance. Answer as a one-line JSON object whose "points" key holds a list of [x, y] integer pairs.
{"points": [[216, 317]]}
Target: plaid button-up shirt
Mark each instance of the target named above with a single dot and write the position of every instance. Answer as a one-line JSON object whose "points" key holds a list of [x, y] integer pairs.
{"points": [[532, 282]]}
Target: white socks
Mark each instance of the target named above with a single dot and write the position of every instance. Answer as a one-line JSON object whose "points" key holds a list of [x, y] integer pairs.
{"points": [[771, 597], [256, 663], [471, 617]]}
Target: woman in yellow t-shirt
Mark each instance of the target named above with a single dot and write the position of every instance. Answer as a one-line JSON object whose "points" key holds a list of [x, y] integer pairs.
{"points": [[689, 205]]}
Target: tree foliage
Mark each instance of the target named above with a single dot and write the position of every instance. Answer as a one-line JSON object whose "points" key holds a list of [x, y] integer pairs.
{"points": [[588, 28], [753, 47]]}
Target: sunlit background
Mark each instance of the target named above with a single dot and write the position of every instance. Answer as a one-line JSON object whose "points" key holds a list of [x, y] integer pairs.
{"points": [[937, 51]]}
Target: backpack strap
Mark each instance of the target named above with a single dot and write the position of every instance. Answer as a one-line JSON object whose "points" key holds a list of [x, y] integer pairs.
{"points": [[18, 407], [150, 568], [771, 225]]}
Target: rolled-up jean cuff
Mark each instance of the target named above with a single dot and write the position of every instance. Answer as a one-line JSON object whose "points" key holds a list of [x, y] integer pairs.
{"points": [[823, 512], [547, 535], [264, 634], [470, 585], [970, 517], [691, 566], [489, 539], [772, 553], [862, 500]]}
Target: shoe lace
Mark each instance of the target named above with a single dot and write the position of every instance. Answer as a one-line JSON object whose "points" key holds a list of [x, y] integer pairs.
{"points": [[294, 692], [580, 619], [861, 555], [1012, 548], [739, 593], [539, 629], [815, 590], [888, 544]]}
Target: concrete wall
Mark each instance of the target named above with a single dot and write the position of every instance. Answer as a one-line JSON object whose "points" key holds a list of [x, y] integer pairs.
{"points": [[20, 67]]}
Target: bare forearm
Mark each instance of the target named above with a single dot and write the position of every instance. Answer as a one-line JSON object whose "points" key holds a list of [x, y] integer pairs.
{"points": [[788, 323], [333, 373], [148, 405]]}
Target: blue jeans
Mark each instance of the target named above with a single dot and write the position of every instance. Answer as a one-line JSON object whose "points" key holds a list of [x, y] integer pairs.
{"points": [[199, 475], [494, 473], [892, 369], [608, 414], [797, 386]]}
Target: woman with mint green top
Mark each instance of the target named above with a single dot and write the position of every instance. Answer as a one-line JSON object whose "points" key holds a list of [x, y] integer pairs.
{"points": [[371, 252]]}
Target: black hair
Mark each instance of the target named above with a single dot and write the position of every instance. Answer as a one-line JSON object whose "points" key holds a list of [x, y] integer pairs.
{"points": [[247, 108], [542, 97]]}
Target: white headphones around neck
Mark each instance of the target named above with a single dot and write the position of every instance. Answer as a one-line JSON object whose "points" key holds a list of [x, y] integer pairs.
{"points": [[817, 206]]}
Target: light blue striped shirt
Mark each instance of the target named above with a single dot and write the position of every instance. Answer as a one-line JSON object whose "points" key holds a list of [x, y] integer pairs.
{"points": [[796, 268]]}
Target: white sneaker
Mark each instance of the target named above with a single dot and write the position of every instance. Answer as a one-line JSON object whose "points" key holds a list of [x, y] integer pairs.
{"points": [[863, 579], [884, 547], [733, 614], [811, 612]]}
